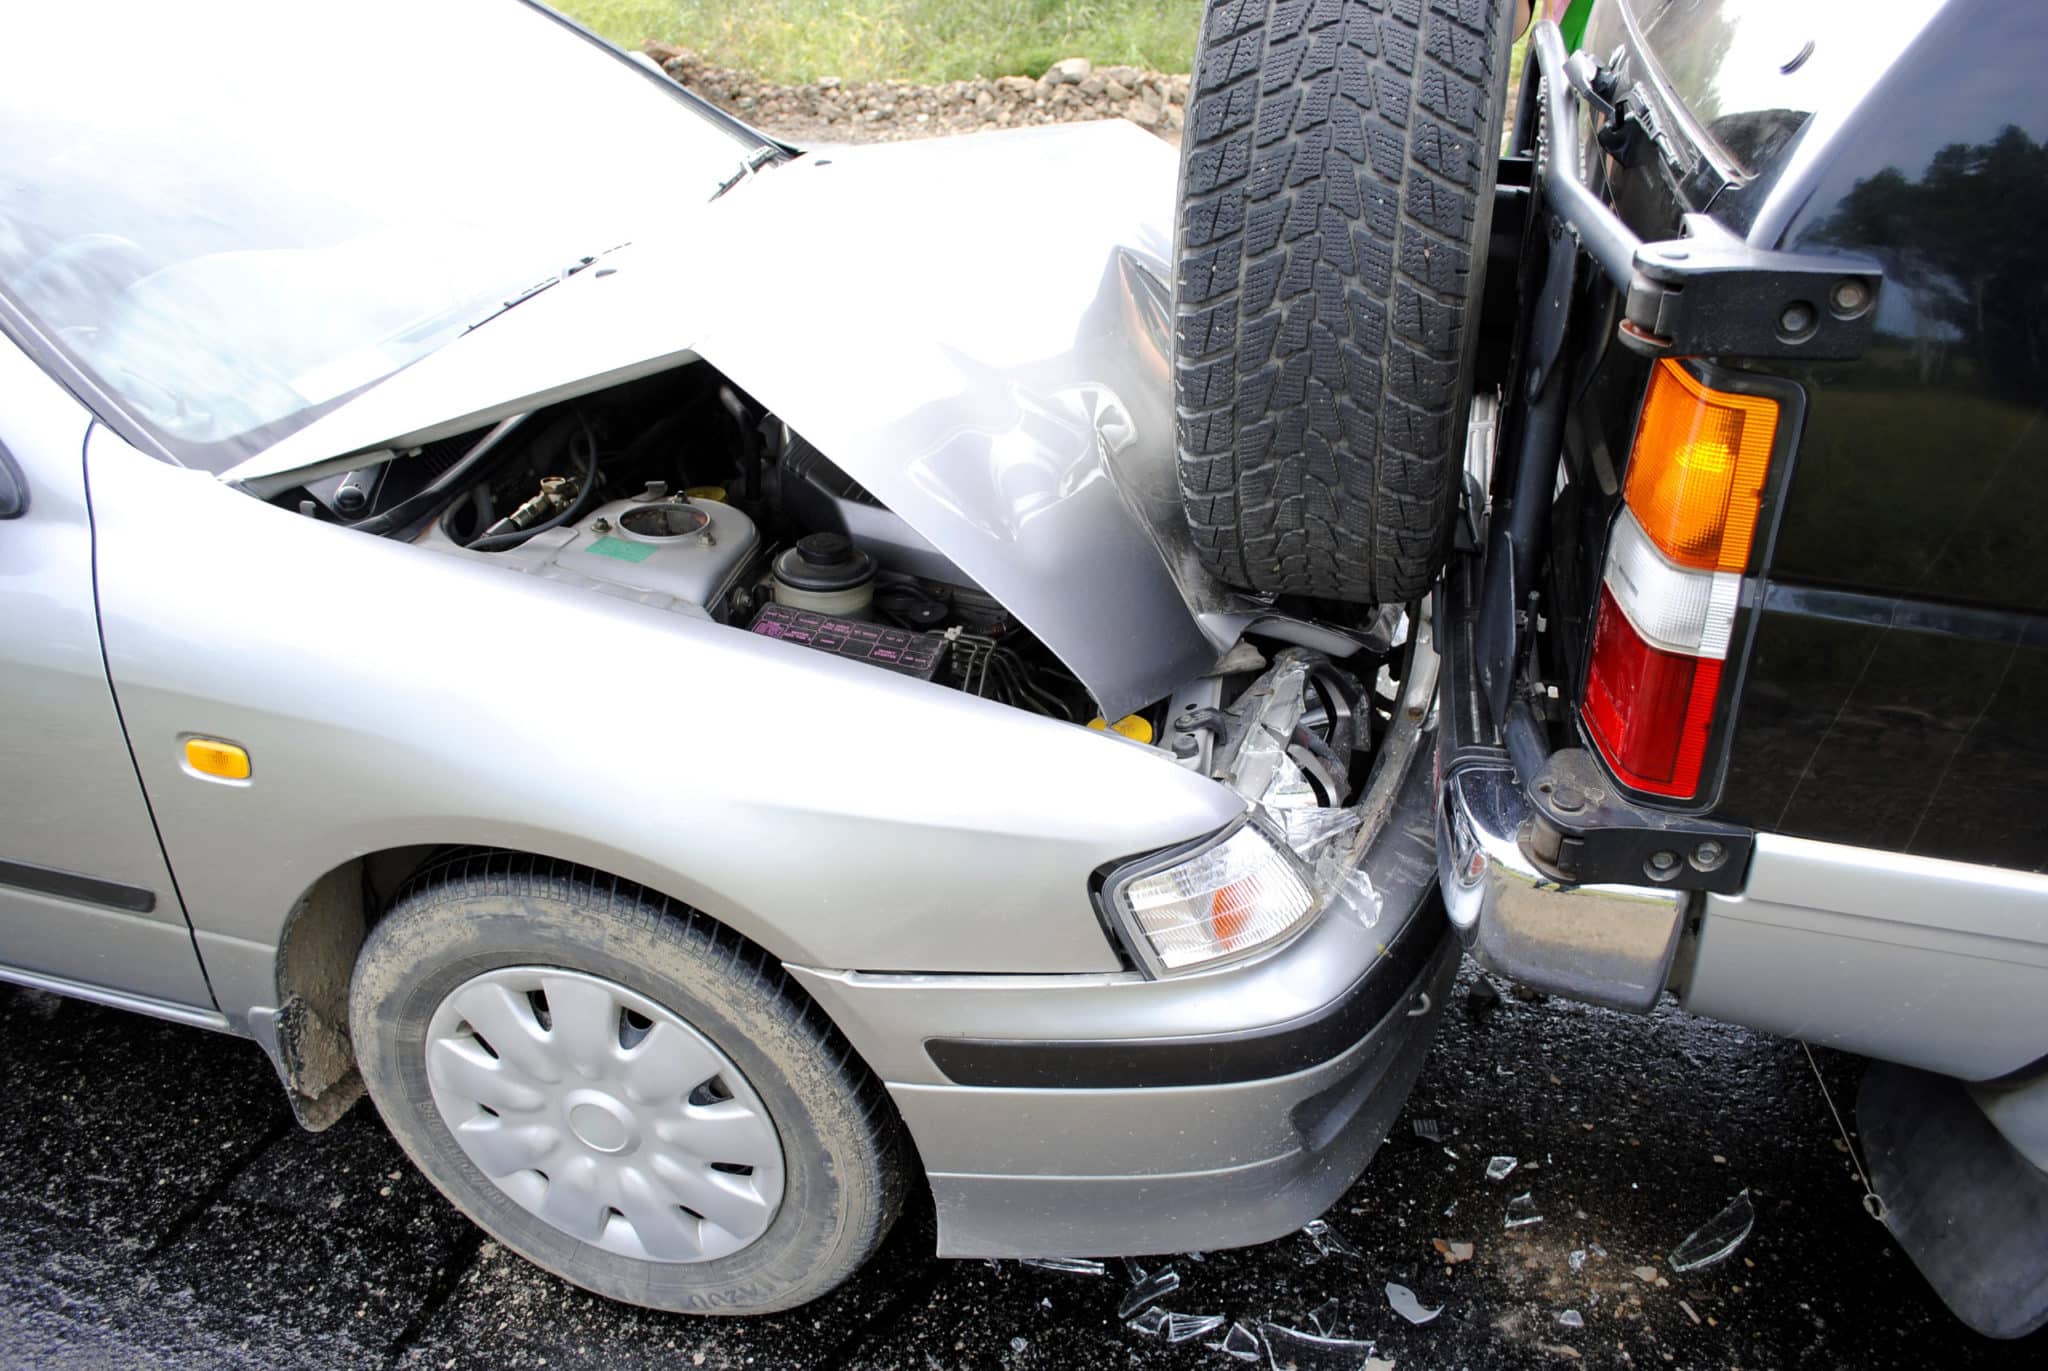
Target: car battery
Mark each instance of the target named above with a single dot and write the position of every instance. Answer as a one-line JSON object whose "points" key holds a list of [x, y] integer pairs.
{"points": [[898, 650]]}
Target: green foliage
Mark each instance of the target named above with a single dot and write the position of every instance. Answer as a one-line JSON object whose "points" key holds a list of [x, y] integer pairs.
{"points": [[918, 40]]}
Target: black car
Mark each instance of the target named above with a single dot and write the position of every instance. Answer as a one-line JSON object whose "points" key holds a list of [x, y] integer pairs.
{"points": [[1703, 427]]}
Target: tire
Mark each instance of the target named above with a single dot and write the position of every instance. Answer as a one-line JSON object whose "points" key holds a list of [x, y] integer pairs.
{"points": [[1336, 191], [458, 944]]}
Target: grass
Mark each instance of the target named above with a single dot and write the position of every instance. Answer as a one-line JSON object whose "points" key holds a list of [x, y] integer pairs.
{"points": [[915, 40]]}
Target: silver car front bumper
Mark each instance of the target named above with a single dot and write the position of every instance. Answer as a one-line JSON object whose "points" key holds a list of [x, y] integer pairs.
{"points": [[1123, 1115]]}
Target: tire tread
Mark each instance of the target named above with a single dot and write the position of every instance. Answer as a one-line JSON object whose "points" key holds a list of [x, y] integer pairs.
{"points": [[1324, 293]]}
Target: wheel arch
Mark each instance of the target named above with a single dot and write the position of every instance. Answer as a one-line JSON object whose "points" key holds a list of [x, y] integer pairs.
{"points": [[323, 934]]}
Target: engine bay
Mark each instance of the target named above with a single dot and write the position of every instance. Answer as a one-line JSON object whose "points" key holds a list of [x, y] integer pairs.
{"points": [[679, 492]]}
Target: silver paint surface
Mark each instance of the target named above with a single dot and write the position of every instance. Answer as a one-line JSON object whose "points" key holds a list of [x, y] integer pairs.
{"points": [[391, 695], [1936, 964], [70, 799]]}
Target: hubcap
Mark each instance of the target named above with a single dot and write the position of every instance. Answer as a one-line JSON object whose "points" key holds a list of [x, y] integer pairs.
{"points": [[604, 1114]]}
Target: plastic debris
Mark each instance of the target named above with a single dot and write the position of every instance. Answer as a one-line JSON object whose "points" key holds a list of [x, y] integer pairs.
{"points": [[1327, 1243], [1290, 1347], [1717, 1239], [1324, 1317], [1151, 1323], [1453, 1252], [1148, 1292], [1646, 1274], [1019, 1344], [1073, 1266], [1427, 1128], [1499, 1168], [1354, 896], [1407, 1306], [1572, 1318], [1240, 1342], [1188, 1327], [1596, 1249], [1522, 1211]]}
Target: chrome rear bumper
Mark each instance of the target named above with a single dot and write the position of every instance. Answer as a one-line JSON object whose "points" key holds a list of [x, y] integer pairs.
{"points": [[1610, 944]]}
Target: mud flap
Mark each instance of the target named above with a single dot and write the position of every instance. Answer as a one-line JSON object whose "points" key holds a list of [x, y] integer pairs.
{"points": [[1969, 1210]]}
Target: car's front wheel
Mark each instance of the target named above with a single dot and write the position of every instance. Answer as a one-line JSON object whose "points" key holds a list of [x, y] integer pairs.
{"points": [[621, 1090]]}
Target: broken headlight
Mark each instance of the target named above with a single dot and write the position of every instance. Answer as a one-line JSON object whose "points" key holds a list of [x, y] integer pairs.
{"points": [[1238, 893]]}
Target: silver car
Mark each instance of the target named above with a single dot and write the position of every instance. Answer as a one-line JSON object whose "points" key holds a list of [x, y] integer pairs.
{"points": [[674, 665]]}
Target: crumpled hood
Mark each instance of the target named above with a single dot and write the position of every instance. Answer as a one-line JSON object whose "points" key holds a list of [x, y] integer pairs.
{"points": [[976, 329]]}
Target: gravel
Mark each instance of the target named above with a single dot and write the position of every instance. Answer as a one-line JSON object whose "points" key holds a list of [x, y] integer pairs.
{"points": [[829, 110]]}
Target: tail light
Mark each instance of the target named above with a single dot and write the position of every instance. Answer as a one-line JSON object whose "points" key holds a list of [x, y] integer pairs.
{"points": [[1674, 572]]}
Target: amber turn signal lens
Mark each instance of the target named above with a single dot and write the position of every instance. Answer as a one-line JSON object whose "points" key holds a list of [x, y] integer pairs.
{"points": [[212, 757], [1696, 474]]}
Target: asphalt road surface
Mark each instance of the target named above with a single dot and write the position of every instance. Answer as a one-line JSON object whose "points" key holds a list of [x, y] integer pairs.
{"points": [[158, 1207]]}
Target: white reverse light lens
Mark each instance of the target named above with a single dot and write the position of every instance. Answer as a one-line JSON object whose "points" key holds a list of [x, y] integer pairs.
{"points": [[1224, 900], [1675, 608]]}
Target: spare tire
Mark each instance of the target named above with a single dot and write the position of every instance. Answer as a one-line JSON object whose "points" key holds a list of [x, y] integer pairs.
{"points": [[1336, 190]]}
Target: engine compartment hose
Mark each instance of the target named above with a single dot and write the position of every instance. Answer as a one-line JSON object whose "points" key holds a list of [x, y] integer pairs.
{"points": [[499, 542]]}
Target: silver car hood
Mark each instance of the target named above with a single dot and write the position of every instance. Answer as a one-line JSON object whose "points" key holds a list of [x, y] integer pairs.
{"points": [[976, 329]]}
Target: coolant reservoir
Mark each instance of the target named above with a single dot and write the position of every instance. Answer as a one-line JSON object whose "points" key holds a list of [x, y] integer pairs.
{"points": [[825, 572], [691, 550]]}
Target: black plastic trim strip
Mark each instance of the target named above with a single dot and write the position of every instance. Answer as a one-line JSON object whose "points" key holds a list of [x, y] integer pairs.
{"points": [[2018, 628], [1218, 1059], [70, 885]]}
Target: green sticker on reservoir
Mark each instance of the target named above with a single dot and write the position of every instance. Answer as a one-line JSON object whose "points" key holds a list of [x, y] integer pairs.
{"points": [[624, 551]]}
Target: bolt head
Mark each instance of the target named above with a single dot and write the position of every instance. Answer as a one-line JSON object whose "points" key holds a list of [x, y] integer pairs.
{"points": [[1849, 295], [1797, 320], [1567, 800], [1663, 861]]}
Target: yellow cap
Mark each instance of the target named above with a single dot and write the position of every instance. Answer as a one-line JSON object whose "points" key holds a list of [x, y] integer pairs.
{"points": [[212, 757], [1131, 726]]}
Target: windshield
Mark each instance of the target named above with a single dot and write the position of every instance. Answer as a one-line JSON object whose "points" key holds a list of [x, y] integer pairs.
{"points": [[237, 214]]}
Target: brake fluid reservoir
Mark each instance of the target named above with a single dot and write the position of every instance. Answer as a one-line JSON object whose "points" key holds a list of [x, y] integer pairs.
{"points": [[825, 572]]}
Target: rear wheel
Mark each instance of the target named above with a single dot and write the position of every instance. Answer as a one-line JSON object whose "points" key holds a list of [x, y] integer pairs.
{"points": [[620, 1090], [1336, 191]]}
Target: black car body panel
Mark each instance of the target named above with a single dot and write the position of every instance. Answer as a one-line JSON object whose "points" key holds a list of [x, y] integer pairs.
{"points": [[1893, 688]]}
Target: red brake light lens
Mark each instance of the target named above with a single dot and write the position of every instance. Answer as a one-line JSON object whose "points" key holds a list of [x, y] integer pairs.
{"points": [[1649, 711]]}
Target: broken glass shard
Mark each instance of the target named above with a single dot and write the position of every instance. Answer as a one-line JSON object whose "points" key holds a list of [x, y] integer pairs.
{"points": [[1151, 1323], [1188, 1327], [1427, 1128], [1596, 1249], [1078, 1266], [1408, 1306], [1717, 1238], [1522, 1211], [1498, 1168], [1577, 1259], [1148, 1292], [1299, 1351], [1240, 1342], [1327, 1243], [1324, 1317], [1572, 1318], [1019, 1344]]}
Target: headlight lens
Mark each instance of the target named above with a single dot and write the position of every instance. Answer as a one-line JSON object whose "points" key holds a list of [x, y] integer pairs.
{"points": [[1227, 899]]}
